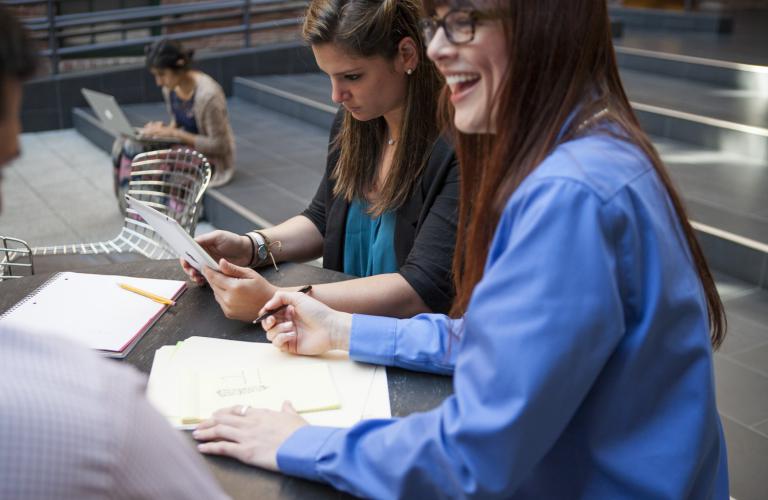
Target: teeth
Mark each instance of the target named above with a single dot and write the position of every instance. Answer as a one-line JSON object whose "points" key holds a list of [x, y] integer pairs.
{"points": [[461, 78]]}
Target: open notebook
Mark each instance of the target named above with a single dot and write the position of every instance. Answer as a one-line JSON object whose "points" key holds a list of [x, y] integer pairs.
{"points": [[194, 378], [92, 309]]}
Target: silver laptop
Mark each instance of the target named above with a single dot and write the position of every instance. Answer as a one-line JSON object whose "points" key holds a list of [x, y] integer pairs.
{"points": [[112, 117]]}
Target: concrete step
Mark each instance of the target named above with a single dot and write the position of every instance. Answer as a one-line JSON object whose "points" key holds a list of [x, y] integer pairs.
{"points": [[673, 20], [723, 73], [306, 96], [735, 61], [696, 113], [725, 197]]}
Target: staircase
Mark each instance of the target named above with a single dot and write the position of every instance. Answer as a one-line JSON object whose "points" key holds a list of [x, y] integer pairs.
{"points": [[709, 120]]}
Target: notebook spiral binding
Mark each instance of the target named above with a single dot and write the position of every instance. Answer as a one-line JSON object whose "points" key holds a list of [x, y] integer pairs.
{"points": [[29, 296]]}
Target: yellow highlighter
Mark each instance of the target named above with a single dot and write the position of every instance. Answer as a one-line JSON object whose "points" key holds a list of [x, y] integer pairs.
{"points": [[146, 294]]}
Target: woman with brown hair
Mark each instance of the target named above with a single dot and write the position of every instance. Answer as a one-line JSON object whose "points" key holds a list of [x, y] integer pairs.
{"points": [[582, 358], [196, 105], [386, 208], [198, 117]]}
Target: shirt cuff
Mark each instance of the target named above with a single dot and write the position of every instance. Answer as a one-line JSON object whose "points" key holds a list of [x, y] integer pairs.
{"points": [[297, 456], [373, 339]]}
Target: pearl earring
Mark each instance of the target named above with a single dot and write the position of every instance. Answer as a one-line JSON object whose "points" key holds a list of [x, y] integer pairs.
{"points": [[409, 71]]}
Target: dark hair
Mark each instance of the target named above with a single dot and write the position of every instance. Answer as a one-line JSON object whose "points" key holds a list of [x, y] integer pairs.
{"points": [[18, 60], [561, 59], [168, 54], [370, 28]]}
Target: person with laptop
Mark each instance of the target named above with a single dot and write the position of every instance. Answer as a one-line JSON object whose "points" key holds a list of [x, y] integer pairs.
{"points": [[197, 110], [74, 425]]}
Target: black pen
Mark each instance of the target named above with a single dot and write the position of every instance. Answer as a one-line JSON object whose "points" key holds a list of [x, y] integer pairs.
{"points": [[270, 312]]}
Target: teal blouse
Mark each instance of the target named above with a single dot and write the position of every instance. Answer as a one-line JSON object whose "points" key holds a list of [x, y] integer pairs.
{"points": [[369, 242]]}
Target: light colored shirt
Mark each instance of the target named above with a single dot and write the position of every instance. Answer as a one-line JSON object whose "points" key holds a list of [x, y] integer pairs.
{"points": [[369, 242], [73, 425], [583, 366], [214, 138]]}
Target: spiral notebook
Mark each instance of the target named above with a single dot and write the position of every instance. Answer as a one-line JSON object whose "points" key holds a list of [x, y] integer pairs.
{"points": [[92, 309]]}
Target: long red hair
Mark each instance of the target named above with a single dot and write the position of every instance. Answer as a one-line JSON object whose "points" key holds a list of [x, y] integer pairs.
{"points": [[560, 59]]}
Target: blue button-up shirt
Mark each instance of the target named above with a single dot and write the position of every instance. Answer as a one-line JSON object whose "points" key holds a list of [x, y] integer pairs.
{"points": [[582, 368]]}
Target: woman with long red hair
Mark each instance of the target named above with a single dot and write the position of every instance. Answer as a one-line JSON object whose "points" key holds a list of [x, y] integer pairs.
{"points": [[585, 313]]}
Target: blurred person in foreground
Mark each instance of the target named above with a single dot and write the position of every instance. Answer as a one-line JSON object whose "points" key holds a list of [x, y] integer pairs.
{"points": [[73, 425]]}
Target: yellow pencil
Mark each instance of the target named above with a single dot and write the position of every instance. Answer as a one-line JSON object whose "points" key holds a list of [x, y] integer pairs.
{"points": [[146, 294]]}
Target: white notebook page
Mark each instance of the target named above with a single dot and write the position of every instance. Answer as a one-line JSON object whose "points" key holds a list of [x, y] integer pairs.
{"points": [[91, 309]]}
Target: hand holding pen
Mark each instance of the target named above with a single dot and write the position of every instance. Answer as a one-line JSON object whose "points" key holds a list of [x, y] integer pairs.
{"points": [[304, 325], [271, 312]]}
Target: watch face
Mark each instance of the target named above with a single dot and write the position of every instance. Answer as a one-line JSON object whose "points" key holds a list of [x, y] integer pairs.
{"points": [[262, 251]]}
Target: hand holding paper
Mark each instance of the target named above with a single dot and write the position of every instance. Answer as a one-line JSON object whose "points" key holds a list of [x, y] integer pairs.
{"points": [[240, 291], [173, 234], [220, 245]]}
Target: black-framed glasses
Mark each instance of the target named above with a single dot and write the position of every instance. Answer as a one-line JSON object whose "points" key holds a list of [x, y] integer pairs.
{"points": [[458, 24]]}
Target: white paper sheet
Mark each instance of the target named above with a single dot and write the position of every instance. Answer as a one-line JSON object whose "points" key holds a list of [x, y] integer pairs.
{"points": [[362, 388], [173, 234]]}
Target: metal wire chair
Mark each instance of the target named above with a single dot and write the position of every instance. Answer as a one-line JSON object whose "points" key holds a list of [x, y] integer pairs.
{"points": [[172, 181], [15, 258]]}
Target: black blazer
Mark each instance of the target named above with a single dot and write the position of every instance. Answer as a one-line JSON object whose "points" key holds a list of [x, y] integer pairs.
{"points": [[425, 225]]}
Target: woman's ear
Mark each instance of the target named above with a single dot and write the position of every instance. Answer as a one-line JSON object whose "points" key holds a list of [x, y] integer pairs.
{"points": [[407, 55]]}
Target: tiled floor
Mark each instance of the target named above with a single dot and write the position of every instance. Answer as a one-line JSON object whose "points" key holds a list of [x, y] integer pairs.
{"points": [[741, 377], [60, 191]]}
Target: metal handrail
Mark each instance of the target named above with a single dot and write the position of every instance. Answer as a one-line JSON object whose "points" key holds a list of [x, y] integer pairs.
{"points": [[129, 13], [187, 35], [269, 8], [152, 17]]}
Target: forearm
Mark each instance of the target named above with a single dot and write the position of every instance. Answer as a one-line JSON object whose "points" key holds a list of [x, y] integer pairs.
{"points": [[422, 343], [299, 240], [380, 295], [202, 143], [186, 138]]}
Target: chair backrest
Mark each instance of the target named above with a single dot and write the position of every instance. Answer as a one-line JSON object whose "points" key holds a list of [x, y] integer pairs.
{"points": [[172, 181], [15, 258]]}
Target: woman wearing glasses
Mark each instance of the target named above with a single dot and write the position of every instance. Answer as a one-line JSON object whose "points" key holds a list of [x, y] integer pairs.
{"points": [[386, 208], [582, 360]]}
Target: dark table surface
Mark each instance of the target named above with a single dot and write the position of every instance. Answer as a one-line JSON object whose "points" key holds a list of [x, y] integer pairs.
{"points": [[198, 314]]}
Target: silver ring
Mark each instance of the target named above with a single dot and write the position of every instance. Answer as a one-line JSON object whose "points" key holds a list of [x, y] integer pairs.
{"points": [[243, 410]]}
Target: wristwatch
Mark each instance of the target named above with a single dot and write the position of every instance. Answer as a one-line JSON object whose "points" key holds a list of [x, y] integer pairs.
{"points": [[260, 248]]}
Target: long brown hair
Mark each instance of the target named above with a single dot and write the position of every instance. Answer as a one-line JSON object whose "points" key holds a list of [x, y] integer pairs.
{"points": [[560, 59], [369, 28]]}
